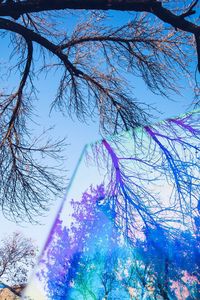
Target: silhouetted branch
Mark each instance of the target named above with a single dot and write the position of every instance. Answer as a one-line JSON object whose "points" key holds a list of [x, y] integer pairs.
{"points": [[16, 9]]}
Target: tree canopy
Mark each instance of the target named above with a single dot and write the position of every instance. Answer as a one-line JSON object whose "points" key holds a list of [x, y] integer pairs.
{"points": [[17, 258], [159, 41], [93, 259]]}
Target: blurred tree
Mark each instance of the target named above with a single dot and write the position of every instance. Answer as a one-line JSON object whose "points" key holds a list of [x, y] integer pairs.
{"points": [[17, 258]]}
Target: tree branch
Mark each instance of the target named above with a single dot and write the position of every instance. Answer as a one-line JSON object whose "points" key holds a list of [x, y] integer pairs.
{"points": [[16, 9], [35, 37], [73, 70], [10, 9], [190, 10]]}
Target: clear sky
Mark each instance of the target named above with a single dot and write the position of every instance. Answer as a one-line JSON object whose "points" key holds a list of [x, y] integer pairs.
{"points": [[78, 134]]}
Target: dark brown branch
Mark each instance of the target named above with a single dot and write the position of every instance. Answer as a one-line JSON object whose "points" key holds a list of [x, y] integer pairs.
{"points": [[21, 86], [190, 11], [16, 9], [23, 180], [153, 6], [178, 22], [73, 70], [103, 38], [197, 38], [35, 37]]}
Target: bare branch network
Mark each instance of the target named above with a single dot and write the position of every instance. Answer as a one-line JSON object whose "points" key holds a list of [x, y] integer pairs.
{"points": [[156, 42], [17, 258], [16, 9]]}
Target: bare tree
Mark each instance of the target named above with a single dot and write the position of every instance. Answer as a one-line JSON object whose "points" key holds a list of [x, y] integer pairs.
{"points": [[17, 255], [93, 60]]}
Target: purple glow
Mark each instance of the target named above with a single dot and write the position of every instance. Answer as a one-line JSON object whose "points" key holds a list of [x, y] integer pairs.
{"points": [[135, 230]]}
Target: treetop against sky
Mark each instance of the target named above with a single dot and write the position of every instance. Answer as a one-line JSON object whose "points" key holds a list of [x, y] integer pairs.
{"points": [[93, 62]]}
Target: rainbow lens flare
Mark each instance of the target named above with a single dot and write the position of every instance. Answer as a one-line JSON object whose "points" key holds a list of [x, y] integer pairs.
{"points": [[129, 226]]}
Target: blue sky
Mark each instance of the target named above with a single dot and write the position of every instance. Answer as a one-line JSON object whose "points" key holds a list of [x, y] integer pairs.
{"points": [[78, 134]]}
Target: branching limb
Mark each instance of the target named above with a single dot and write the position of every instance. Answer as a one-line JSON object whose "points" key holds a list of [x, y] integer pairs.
{"points": [[190, 10], [16, 9], [25, 182]]}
